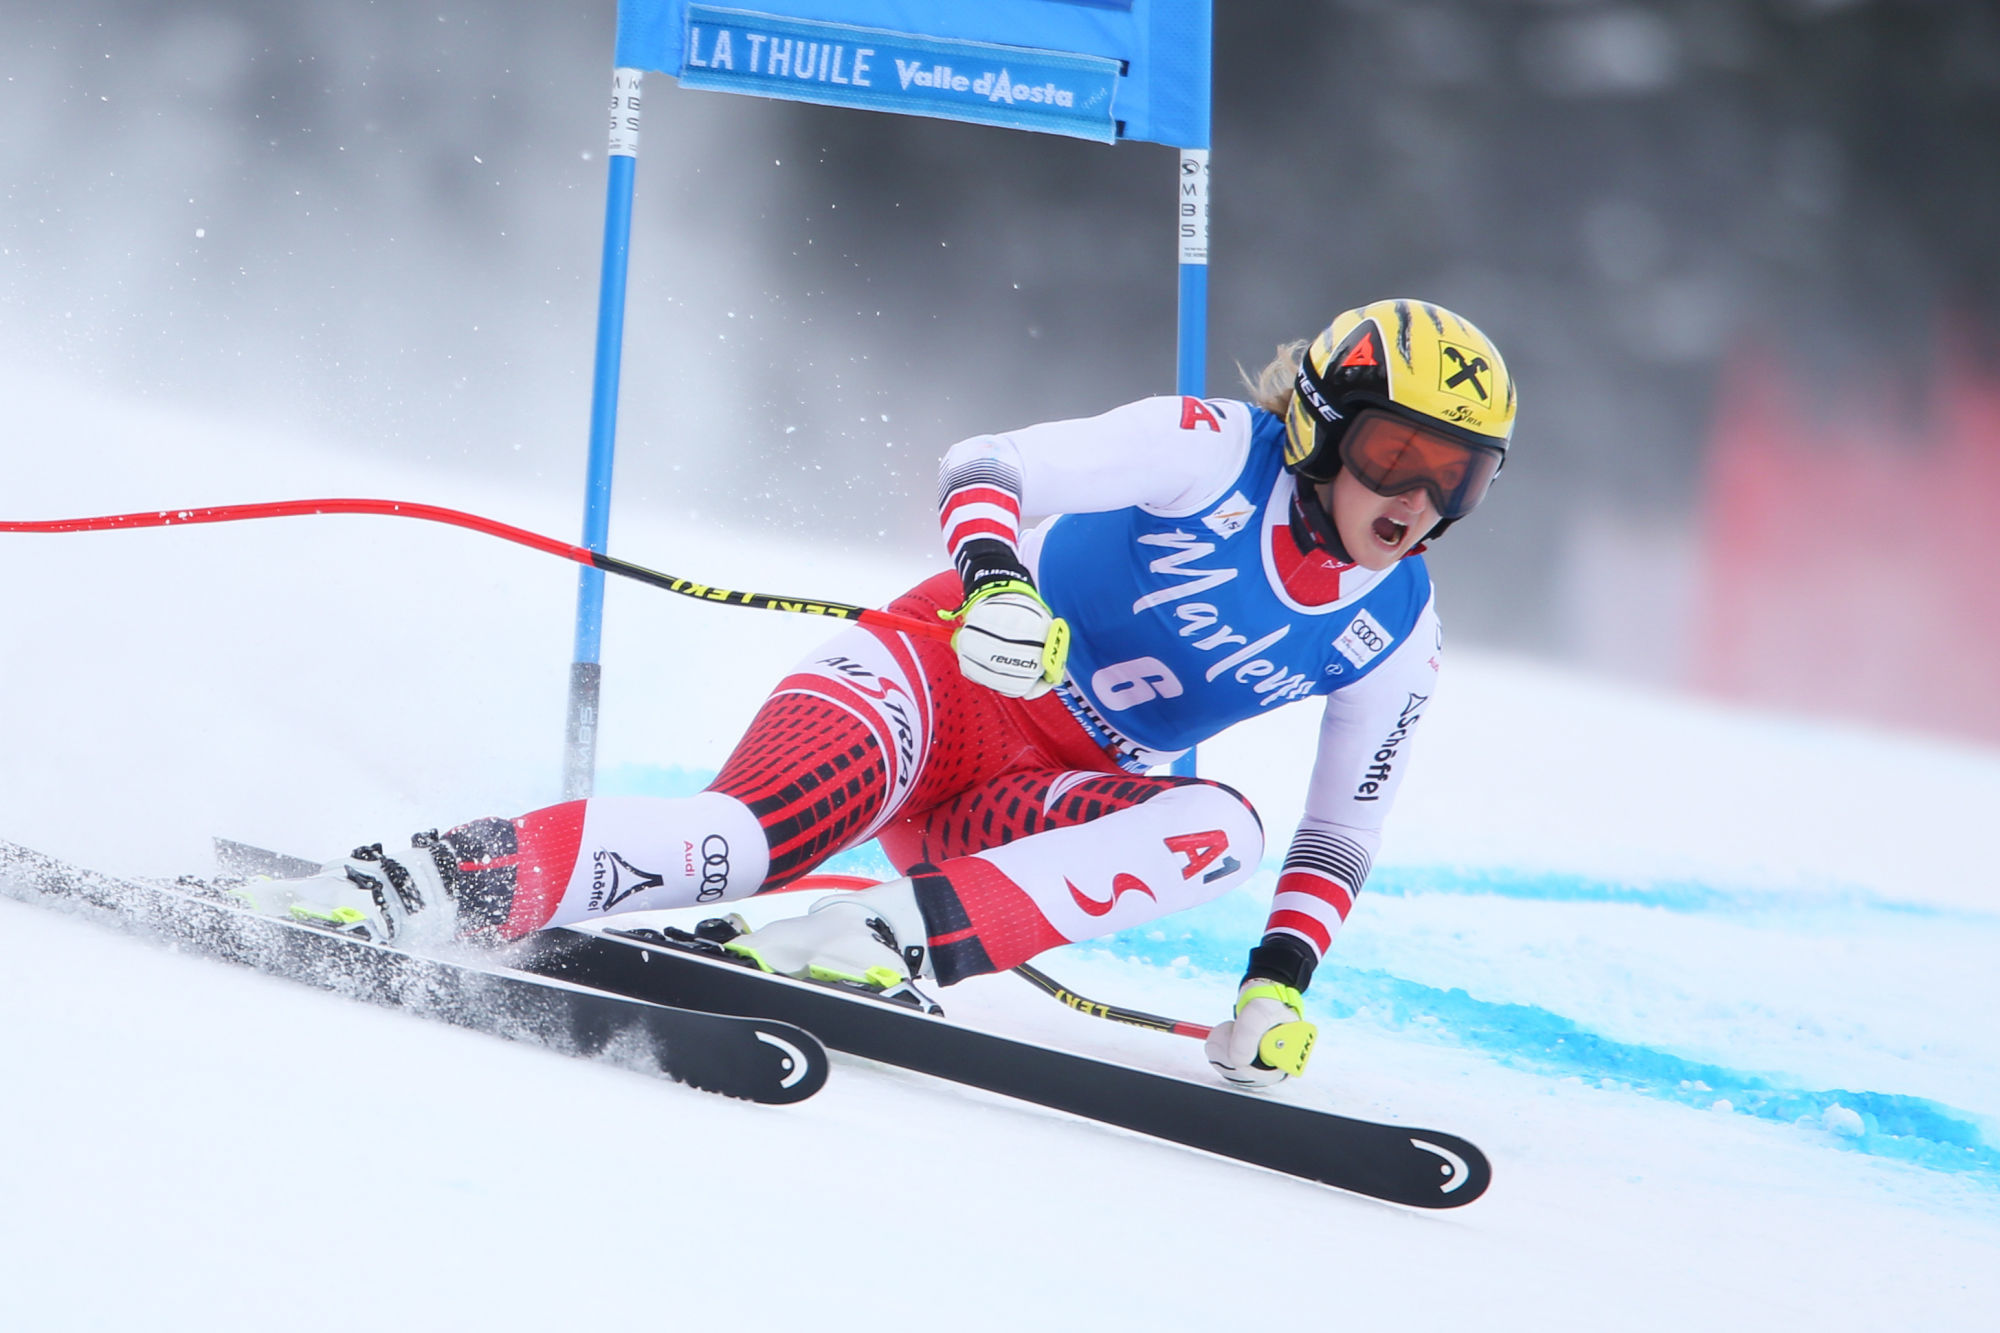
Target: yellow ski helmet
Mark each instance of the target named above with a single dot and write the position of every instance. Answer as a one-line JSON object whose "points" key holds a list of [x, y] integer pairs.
{"points": [[1419, 365]]}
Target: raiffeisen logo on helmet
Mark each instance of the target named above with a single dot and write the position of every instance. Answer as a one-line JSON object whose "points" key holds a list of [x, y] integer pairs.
{"points": [[1464, 371]]}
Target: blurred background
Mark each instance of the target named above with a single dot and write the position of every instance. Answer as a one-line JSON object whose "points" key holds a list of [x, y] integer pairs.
{"points": [[1741, 256]]}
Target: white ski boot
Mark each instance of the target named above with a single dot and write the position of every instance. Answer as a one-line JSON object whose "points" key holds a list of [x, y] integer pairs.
{"points": [[874, 939], [402, 898]]}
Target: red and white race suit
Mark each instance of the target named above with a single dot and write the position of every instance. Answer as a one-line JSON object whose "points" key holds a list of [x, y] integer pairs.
{"points": [[1029, 824]]}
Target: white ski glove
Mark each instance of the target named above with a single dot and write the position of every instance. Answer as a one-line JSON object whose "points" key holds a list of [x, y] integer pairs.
{"points": [[1008, 640], [1268, 1040]]}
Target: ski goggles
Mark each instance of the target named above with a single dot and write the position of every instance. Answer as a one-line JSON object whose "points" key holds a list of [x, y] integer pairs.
{"points": [[1390, 453]]}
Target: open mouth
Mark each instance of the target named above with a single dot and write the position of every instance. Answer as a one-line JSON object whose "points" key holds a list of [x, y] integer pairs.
{"points": [[1389, 532]]}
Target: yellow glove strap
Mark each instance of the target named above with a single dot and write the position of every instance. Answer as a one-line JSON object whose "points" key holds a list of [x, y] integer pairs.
{"points": [[1285, 1046], [1055, 653], [1288, 1046], [1271, 990]]}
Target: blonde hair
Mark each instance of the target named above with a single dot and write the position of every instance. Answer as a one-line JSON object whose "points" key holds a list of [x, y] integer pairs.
{"points": [[1271, 388]]}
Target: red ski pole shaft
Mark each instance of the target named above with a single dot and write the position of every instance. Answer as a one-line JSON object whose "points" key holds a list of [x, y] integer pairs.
{"points": [[582, 555]]}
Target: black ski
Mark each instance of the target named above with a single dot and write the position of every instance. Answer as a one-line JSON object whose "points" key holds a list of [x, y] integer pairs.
{"points": [[758, 1057], [1418, 1167]]}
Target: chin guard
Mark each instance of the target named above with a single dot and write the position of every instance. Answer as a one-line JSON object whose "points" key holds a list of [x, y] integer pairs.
{"points": [[1312, 527]]}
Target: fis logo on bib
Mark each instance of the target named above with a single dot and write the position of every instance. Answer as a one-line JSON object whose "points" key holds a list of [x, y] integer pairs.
{"points": [[1230, 517]]}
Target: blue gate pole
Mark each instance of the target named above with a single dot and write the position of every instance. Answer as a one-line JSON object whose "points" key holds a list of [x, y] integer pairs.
{"points": [[1191, 350], [585, 672]]}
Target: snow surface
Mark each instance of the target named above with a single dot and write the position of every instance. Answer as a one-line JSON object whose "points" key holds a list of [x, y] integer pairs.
{"points": [[1712, 988]]}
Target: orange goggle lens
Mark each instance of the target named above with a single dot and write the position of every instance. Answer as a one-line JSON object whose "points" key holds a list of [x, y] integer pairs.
{"points": [[1390, 455]]}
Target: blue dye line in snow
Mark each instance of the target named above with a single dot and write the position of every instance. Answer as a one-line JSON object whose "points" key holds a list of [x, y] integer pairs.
{"points": [[1910, 1129], [1212, 938], [1686, 896]]}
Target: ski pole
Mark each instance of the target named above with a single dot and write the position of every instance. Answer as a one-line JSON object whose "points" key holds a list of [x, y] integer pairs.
{"points": [[762, 601], [1098, 1009], [1041, 980]]}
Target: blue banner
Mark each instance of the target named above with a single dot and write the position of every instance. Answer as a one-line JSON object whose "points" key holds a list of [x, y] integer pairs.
{"points": [[1094, 69], [1016, 87]]}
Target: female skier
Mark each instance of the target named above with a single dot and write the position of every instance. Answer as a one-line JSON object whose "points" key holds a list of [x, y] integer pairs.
{"points": [[1208, 560]]}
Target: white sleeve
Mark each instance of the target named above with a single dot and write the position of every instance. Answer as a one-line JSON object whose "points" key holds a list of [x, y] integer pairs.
{"points": [[1365, 739], [1369, 727], [1170, 455]]}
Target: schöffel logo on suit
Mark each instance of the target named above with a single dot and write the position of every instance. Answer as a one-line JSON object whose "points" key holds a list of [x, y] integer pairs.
{"points": [[1376, 775], [613, 879]]}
